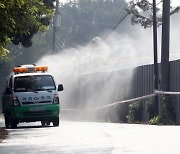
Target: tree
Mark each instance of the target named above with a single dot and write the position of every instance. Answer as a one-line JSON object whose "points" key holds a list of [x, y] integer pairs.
{"points": [[82, 20], [21, 19], [141, 11]]}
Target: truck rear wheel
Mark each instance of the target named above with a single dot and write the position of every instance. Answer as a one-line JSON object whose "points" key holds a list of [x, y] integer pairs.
{"points": [[13, 124], [56, 121], [45, 123]]}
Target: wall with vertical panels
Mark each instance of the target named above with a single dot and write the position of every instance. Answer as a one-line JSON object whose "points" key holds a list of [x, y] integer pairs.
{"points": [[175, 86], [142, 83]]}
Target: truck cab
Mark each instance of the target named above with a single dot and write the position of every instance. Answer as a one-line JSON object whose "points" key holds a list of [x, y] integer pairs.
{"points": [[31, 95]]}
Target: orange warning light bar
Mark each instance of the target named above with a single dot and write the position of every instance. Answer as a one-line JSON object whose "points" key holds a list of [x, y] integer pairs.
{"points": [[41, 68], [20, 70]]}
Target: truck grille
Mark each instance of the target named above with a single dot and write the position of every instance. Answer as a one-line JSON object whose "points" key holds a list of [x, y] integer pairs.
{"points": [[37, 113]]}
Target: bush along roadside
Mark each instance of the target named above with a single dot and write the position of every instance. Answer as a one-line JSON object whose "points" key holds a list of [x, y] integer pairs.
{"points": [[168, 112], [135, 110]]}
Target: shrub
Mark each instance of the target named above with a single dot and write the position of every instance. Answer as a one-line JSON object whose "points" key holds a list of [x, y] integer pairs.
{"points": [[134, 112], [157, 120], [160, 120]]}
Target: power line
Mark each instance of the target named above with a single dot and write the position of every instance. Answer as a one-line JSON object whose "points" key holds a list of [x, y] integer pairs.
{"points": [[118, 13], [63, 43], [93, 10], [120, 21], [116, 19]]}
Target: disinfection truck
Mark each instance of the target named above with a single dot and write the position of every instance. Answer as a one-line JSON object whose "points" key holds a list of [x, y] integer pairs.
{"points": [[31, 95]]}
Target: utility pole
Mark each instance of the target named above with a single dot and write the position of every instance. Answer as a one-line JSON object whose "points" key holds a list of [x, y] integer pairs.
{"points": [[56, 27], [165, 72], [156, 76]]}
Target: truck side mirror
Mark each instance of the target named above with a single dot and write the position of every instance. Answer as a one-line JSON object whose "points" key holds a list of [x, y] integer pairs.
{"points": [[60, 87], [8, 91]]}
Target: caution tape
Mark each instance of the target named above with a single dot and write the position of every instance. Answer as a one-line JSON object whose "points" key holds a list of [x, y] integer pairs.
{"points": [[156, 92], [112, 104], [166, 92]]}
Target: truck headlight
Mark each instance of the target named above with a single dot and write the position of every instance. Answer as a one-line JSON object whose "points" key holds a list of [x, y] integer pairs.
{"points": [[56, 99], [16, 101]]}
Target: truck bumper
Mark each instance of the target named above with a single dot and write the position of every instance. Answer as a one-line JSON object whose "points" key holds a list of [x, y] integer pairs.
{"points": [[35, 112]]}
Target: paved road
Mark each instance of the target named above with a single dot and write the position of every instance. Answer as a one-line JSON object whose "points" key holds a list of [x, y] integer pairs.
{"points": [[92, 138]]}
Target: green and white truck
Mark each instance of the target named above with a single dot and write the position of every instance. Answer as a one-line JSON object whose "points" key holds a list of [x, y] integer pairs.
{"points": [[31, 95]]}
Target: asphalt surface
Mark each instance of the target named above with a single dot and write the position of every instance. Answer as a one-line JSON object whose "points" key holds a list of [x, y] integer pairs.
{"points": [[69, 137], [92, 138]]}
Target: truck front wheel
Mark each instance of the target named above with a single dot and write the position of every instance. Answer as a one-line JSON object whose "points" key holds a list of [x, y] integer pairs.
{"points": [[7, 121], [56, 121]]}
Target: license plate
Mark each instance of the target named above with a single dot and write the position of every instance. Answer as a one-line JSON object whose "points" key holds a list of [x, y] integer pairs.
{"points": [[36, 109]]}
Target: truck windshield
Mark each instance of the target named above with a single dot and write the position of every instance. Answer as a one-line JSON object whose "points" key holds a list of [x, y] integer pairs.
{"points": [[34, 83]]}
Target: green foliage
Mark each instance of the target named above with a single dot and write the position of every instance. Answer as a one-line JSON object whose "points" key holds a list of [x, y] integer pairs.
{"points": [[160, 120], [82, 20], [3, 52], [157, 120], [152, 107], [41, 46], [134, 112], [141, 11], [168, 113], [21, 19]]}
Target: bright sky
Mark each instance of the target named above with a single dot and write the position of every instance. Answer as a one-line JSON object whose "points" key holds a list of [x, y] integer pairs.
{"points": [[174, 2]]}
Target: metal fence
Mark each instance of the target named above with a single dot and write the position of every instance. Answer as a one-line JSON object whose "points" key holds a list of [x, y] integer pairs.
{"points": [[142, 84], [106, 88], [175, 86]]}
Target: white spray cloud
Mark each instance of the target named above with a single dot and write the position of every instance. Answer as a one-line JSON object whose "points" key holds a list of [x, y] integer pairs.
{"points": [[90, 73]]}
